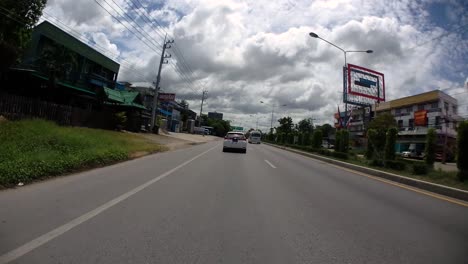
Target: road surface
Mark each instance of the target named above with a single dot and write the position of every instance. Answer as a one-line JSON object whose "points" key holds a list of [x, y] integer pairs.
{"points": [[199, 205]]}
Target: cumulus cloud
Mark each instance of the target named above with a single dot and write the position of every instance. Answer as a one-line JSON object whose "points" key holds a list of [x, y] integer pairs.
{"points": [[244, 52]]}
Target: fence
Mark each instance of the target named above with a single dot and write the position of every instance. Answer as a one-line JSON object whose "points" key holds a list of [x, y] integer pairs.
{"points": [[15, 107]]}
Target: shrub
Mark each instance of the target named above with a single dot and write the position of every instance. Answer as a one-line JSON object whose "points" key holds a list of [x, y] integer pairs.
{"points": [[390, 144], [339, 155], [306, 139], [317, 138], [338, 140], [462, 151], [344, 141], [120, 119], [325, 152], [376, 163], [371, 134], [420, 169], [430, 147], [394, 164]]}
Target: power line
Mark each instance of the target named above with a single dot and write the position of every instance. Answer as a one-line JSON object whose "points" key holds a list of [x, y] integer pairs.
{"points": [[184, 65], [79, 37], [440, 36], [127, 19]]}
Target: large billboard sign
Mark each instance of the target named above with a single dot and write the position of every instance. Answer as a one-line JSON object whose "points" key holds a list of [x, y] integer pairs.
{"points": [[362, 86], [164, 97], [420, 118]]}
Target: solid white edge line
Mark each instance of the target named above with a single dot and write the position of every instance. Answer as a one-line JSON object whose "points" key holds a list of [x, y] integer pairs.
{"points": [[39, 241], [271, 165]]}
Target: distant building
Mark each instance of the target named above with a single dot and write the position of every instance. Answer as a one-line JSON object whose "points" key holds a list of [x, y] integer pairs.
{"points": [[416, 114], [215, 115]]}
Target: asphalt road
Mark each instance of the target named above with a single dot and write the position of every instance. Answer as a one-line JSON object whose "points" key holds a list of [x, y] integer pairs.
{"points": [[200, 205]]}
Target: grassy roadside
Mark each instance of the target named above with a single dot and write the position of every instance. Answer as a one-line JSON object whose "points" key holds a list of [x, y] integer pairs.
{"points": [[35, 149], [435, 176]]}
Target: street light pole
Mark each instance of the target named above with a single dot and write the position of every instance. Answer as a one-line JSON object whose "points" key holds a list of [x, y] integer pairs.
{"points": [[312, 34]]}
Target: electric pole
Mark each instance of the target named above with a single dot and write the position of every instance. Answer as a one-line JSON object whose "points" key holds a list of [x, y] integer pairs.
{"points": [[163, 60], [201, 106]]}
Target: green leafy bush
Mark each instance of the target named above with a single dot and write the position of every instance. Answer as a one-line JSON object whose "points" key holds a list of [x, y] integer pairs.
{"points": [[396, 165], [317, 138], [340, 155], [390, 144], [420, 169], [430, 147], [462, 151], [376, 163], [344, 141]]}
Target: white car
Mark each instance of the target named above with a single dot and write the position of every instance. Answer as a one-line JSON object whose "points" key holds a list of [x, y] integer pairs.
{"points": [[255, 137], [235, 141]]}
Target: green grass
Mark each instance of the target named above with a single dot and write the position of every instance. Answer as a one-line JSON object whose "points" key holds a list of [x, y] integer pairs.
{"points": [[35, 149], [435, 176]]}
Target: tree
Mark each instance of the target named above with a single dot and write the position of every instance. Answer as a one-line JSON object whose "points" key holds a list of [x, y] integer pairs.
{"points": [[381, 124], [16, 28], [305, 126], [462, 151], [338, 140], [371, 135], [430, 147], [344, 141], [184, 104], [286, 125], [317, 138], [390, 143], [327, 130]]}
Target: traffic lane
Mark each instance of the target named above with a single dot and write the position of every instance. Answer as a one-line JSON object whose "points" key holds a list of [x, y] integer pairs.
{"points": [[406, 199], [32, 210], [206, 212], [404, 226]]}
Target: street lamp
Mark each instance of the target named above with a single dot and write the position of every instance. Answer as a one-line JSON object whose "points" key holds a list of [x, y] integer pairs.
{"points": [[313, 35], [256, 117], [272, 111]]}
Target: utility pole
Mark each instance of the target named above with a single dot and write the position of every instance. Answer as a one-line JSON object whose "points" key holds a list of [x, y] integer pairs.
{"points": [[201, 106], [162, 61]]}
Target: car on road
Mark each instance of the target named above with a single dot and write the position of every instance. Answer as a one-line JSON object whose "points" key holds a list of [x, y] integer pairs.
{"points": [[235, 141], [255, 137]]}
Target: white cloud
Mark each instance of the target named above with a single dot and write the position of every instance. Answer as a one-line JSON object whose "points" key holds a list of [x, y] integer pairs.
{"points": [[252, 50]]}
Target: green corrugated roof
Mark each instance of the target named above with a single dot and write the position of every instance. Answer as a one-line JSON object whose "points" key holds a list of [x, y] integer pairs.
{"points": [[53, 32], [124, 98]]}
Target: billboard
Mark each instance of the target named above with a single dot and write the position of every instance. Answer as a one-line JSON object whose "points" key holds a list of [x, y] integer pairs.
{"points": [[166, 97], [363, 86], [420, 118]]}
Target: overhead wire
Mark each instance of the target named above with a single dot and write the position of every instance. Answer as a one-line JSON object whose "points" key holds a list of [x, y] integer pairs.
{"points": [[142, 40], [182, 60], [77, 35]]}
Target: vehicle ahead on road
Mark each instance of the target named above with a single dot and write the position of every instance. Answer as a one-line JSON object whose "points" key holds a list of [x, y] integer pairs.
{"points": [[235, 141], [255, 137]]}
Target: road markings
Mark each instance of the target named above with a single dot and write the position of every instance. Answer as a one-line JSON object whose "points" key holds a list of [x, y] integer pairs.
{"points": [[271, 165], [407, 187], [39, 241], [403, 186]]}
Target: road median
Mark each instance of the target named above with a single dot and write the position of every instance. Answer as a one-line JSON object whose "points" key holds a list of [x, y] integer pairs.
{"points": [[424, 185]]}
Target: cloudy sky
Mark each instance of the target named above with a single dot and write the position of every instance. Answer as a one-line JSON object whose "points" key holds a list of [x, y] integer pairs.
{"points": [[246, 51]]}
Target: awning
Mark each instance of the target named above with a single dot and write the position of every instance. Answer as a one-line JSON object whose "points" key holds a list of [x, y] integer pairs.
{"points": [[165, 112], [65, 84]]}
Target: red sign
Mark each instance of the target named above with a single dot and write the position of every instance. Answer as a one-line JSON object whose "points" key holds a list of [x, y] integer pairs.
{"points": [[166, 97], [420, 118]]}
